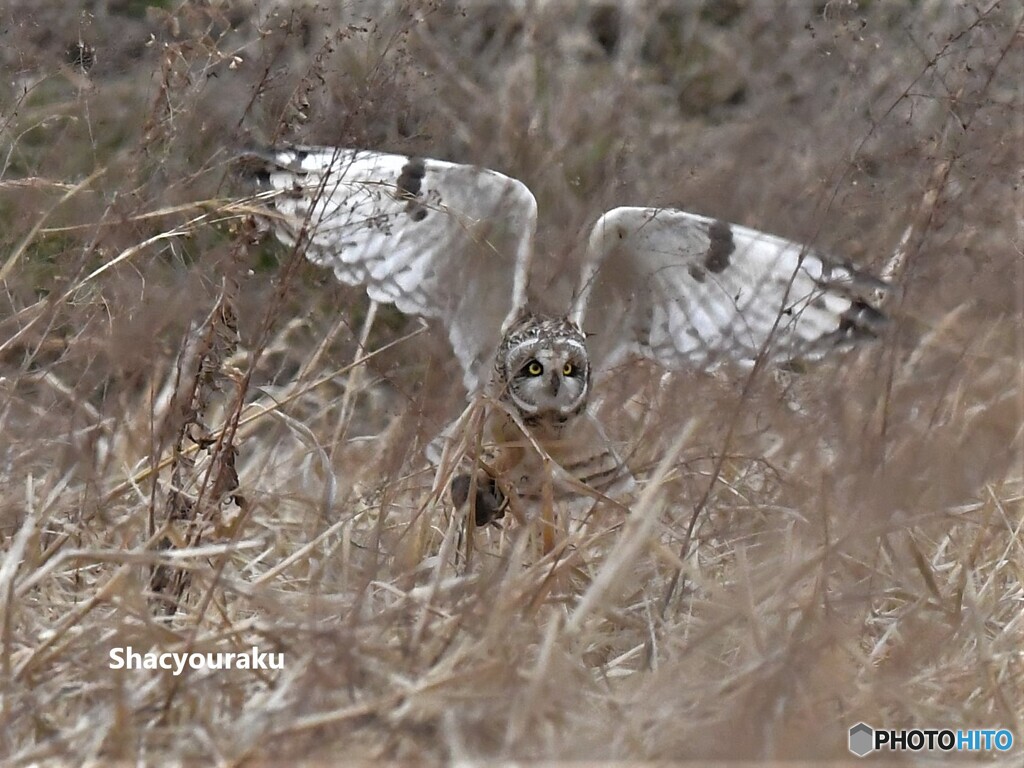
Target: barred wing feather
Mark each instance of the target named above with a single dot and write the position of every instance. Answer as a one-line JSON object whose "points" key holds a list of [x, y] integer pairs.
{"points": [[436, 239], [691, 292]]}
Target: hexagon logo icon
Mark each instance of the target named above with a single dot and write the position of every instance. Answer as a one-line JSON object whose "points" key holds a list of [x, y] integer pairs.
{"points": [[862, 739]]}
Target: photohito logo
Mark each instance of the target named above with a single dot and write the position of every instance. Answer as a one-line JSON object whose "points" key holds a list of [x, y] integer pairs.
{"points": [[864, 739]]}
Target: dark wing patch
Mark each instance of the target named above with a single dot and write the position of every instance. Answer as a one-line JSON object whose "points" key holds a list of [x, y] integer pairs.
{"points": [[410, 180], [719, 249], [410, 187]]}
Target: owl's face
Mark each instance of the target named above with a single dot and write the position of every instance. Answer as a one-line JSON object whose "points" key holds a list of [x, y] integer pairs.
{"points": [[544, 368]]}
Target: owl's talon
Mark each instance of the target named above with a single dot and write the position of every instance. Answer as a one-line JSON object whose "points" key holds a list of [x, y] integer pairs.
{"points": [[490, 502]]}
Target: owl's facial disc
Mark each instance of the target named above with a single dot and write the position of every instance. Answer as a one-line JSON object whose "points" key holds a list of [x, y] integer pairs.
{"points": [[549, 376]]}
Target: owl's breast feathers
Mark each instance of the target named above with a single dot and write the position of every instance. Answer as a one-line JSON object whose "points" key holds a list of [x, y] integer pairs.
{"points": [[581, 455]]}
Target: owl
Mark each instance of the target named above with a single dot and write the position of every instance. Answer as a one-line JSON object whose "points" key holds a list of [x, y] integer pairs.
{"points": [[539, 391], [453, 243]]}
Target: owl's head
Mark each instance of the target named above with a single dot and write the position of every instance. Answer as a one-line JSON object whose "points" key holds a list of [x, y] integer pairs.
{"points": [[543, 368]]}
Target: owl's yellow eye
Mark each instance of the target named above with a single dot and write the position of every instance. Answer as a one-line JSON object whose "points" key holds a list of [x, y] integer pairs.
{"points": [[568, 369], [534, 368]]}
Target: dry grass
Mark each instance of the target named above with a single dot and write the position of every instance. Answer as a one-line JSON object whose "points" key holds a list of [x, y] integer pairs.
{"points": [[197, 454]]}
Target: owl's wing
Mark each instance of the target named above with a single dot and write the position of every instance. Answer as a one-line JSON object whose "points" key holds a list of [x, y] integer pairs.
{"points": [[692, 292], [436, 239]]}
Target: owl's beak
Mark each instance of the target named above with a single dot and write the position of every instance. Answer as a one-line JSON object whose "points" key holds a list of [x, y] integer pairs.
{"points": [[554, 383]]}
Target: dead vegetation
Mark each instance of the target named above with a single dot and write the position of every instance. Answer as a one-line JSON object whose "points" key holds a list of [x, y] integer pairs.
{"points": [[207, 445]]}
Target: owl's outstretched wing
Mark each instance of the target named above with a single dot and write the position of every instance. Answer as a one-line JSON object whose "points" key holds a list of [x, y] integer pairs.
{"points": [[692, 292], [436, 239]]}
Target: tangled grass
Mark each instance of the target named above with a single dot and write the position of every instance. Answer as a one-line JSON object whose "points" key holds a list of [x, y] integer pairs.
{"points": [[207, 445]]}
